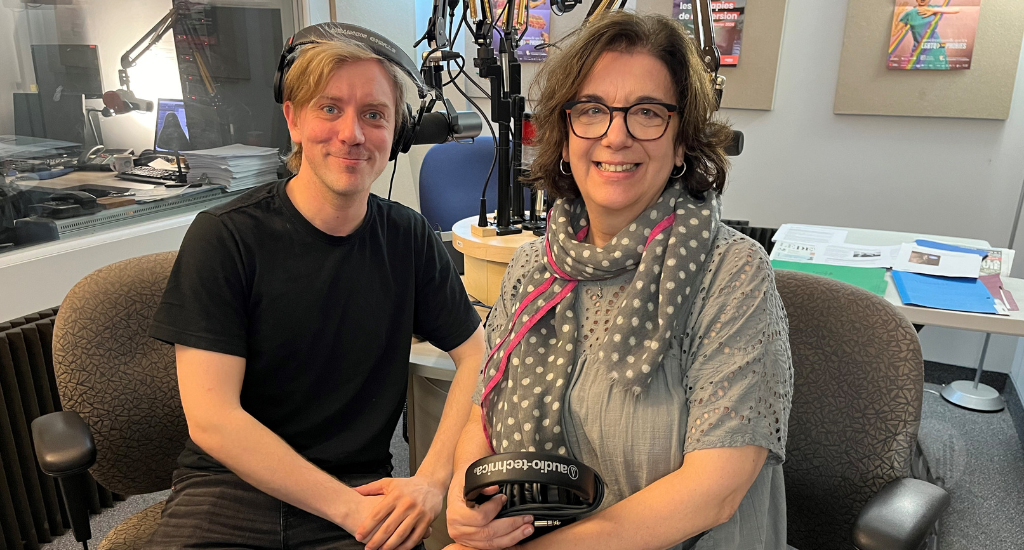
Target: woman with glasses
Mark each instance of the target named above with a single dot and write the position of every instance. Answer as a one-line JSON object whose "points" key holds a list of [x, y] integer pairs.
{"points": [[640, 336]]}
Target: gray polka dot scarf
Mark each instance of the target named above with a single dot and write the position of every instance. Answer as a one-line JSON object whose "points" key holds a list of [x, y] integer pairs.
{"points": [[529, 369]]}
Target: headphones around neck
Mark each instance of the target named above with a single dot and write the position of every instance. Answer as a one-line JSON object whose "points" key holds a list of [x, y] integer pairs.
{"points": [[369, 40], [555, 490]]}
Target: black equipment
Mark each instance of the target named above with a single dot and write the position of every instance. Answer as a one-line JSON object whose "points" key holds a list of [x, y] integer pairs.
{"points": [[69, 68], [555, 490], [66, 204], [420, 126]]}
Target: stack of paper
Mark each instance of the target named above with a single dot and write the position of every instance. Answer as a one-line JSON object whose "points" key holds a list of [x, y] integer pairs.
{"points": [[233, 166], [926, 273]]}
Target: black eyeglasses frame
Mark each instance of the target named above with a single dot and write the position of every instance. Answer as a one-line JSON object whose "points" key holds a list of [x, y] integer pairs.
{"points": [[568, 105]]}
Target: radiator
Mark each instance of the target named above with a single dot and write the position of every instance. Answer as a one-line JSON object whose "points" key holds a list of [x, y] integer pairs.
{"points": [[31, 506]]}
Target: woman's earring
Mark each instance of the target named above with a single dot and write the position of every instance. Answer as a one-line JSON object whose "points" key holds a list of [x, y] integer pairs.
{"points": [[680, 173], [561, 168]]}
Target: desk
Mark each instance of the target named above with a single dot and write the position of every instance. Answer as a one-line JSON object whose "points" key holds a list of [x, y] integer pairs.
{"points": [[486, 258], [965, 393], [99, 179], [430, 374]]}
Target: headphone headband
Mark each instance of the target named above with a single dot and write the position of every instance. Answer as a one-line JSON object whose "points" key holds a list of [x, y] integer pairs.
{"points": [[551, 487], [345, 32]]}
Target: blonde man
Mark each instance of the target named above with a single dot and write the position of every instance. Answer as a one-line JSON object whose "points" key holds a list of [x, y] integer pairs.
{"points": [[292, 309]]}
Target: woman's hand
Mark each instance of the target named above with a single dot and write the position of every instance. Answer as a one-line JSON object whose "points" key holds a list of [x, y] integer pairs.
{"points": [[476, 527]]}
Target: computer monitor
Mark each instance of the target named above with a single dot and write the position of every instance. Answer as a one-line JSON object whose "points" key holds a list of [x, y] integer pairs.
{"points": [[69, 68], [171, 126], [227, 71]]}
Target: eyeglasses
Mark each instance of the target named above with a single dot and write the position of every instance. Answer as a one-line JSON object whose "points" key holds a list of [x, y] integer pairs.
{"points": [[644, 121]]}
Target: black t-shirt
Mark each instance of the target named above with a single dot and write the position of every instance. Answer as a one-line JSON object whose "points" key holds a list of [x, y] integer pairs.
{"points": [[324, 323]]}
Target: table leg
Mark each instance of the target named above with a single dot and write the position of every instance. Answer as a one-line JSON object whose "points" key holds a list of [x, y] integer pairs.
{"points": [[974, 395]]}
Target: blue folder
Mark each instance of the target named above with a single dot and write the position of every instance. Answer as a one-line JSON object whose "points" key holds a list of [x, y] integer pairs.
{"points": [[950, 247], [952, 293]]}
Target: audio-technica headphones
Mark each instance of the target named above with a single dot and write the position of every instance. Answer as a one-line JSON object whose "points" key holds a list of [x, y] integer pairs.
{"points": [[375, 43], [555, 490]]}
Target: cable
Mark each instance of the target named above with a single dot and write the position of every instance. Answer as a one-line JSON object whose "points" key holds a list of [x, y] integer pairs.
{"points": [[473, 82], [392, 185], [494, 160]]}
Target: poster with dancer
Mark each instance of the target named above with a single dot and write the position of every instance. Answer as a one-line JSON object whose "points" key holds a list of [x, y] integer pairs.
{"points": [[728, 18], [934, 35]]}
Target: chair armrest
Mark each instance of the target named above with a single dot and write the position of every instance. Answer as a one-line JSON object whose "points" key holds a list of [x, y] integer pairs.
{"points": [[65, 450], [63, 444], [899, 516]]}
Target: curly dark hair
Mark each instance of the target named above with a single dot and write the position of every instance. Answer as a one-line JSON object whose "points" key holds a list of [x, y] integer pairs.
{"points": [[559, 81]]}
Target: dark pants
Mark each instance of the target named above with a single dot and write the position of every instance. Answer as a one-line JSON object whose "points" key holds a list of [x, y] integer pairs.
{"points": [[210, 510]]}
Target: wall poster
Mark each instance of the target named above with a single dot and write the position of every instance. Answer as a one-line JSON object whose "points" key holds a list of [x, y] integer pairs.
{"points": [[935, 35], [538, 30], [728, 17]]}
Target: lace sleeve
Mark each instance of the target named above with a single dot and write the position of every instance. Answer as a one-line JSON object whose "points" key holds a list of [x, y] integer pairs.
{"points": [[739, 383]]}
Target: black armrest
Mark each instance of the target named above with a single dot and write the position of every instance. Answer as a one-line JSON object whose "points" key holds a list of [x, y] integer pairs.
{"points": [[63, 444], [900, 516], [65, 450]]}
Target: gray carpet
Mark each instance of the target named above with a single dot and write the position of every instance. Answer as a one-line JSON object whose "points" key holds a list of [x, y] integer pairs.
{"points": [[978, 454], [982, 462]]}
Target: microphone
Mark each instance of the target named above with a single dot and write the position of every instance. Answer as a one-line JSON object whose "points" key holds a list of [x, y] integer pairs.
{"points": [[439, 128], [124, 101]]}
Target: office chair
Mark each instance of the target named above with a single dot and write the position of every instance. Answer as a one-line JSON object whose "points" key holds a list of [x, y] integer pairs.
{"points": [[851, 452], [122, 416], [451, 179]]}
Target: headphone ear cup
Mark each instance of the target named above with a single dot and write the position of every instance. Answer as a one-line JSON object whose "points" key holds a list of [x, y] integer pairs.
{"points": [[529, 493], [404, 134]]}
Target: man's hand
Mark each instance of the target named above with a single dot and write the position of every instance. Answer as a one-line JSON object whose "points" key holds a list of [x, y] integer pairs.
{"points": [[402, 515], [476, 527], [925, 12]]}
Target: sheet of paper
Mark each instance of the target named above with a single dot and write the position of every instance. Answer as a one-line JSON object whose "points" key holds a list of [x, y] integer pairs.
{"points": [[913, 258], [870, 279], [809, 234], [995, 261], [835, 254]]}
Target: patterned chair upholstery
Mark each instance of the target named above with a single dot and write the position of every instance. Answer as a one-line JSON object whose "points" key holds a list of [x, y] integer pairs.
{"points": [[122, 383], [858, 385]]}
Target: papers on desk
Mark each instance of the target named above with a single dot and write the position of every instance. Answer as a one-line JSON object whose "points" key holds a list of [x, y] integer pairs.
{"points": [[233, 166], [809, 234], [835, 254], [995, 261], [914, 258]]}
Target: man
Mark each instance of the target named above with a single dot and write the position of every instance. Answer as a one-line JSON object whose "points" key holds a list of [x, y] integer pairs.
{"points": [[291, 309]]}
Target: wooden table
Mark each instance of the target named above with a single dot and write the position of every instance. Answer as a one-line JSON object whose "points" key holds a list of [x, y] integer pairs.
{"points": [[486, 258]]}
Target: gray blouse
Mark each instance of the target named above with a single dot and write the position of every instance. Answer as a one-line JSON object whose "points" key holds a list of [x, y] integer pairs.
{"points": [[726, 382]]}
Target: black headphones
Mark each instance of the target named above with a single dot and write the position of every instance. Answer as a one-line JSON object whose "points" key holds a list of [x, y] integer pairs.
{"points": [[555, 490], [369, 40]]}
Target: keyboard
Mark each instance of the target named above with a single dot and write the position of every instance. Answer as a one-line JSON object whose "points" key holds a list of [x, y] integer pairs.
{"points": [[148, 174]]}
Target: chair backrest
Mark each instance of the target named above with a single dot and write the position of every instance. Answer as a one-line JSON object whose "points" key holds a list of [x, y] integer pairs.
{"points": [[858, 383], [122, 382], [451, 179]]}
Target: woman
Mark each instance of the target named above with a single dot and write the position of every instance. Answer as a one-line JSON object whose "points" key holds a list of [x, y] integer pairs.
{"points": [[641, 336]]}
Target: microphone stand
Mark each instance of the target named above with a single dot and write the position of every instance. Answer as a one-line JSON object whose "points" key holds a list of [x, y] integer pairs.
{"points": [[504, 77]]}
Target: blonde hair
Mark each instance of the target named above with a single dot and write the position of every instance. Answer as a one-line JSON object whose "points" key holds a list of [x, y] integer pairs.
{"points": [[307, 78]]}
